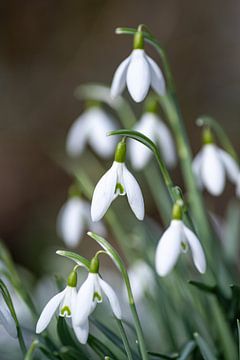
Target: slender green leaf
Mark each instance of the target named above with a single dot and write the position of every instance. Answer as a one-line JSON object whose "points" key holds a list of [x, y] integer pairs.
{"points": [[80, 260], [204, 348], [238, 328], [187, 350], [164, 356], [101, 349]]}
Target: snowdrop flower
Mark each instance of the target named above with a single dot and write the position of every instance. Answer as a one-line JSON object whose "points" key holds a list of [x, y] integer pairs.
{"points": [[73, 219], [154, 128], [117, 181], [90, 294], [93, 121], [176, 239], [138, 71], [66, 302], [141, 279], [212, 165], [6, 319]]}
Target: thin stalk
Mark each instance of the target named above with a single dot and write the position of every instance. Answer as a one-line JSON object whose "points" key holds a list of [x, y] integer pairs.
{"points": [[121, 267], [124, 339]]}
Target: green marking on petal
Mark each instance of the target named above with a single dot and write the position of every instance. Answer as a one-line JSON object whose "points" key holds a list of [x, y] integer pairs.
{"points": [[184, 246], [65, 311], [97, 296], [119, 188]]}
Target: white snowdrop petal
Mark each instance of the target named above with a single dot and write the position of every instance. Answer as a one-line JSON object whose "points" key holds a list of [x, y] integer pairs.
{"points": [[157, 78], [78, 134], [119, 78], [102, 123], [231, 166], [112, 297], [212, 170], [103, 194], [166, 143], [84, 301], [196, 249], [134, 193], [69, 301], [139, 153], [70, 222], [49, 311], [169, 248], [196, 166], [138, 75], [82, 332]]}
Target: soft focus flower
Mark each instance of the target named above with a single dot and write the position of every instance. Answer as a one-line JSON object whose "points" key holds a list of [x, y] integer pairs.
{"points": [[141, 279], [212, 165], [6, 319], [176, 239], [117, 181], [90, 294], [74, 219], [91, 127], [138, 72], [154, 128], [65, 301]]}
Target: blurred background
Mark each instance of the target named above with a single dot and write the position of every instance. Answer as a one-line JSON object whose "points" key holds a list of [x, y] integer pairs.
{"points": [[48, 48]]}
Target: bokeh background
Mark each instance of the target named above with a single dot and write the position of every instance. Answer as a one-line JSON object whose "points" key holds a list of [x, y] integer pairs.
{"points": [[48, 48]]}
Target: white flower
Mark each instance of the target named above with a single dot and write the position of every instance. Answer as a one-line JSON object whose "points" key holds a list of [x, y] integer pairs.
{"points": [[73, 219], [6, 319], [66, 302], [141, 279], [91, 127], [211, 165], [89, 294], [176, 239], [153, 127], [139, 72], [116, 181]]}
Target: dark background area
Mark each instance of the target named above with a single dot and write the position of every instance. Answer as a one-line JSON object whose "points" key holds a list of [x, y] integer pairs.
{"points": [[47, 48]]}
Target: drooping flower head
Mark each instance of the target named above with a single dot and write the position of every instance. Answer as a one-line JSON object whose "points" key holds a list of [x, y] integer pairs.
{"points": [[75, 217], [138, 71], [117, 181], [212, 165], [91, 293], [83, 131], [65, 302], [155, 129], [177, 239]]}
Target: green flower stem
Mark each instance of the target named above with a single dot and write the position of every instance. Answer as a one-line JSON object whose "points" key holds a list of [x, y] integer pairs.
{"points": [[121, 267], [128, 119], [124, 339], [220, 132]]}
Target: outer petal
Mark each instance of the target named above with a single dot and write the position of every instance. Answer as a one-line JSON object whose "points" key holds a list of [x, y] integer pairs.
{"points": [[112, 297], [102, 123], [166, 143], [119, 78], [82, 332], [84, 301], [212, 170], [49, 311], [138, 75], [157, 79], [139, 153], [231, 166], [78, 134], [70, 221], [196, 165], [134, 193], [104, 193], [169, 248], [197, 250]]}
